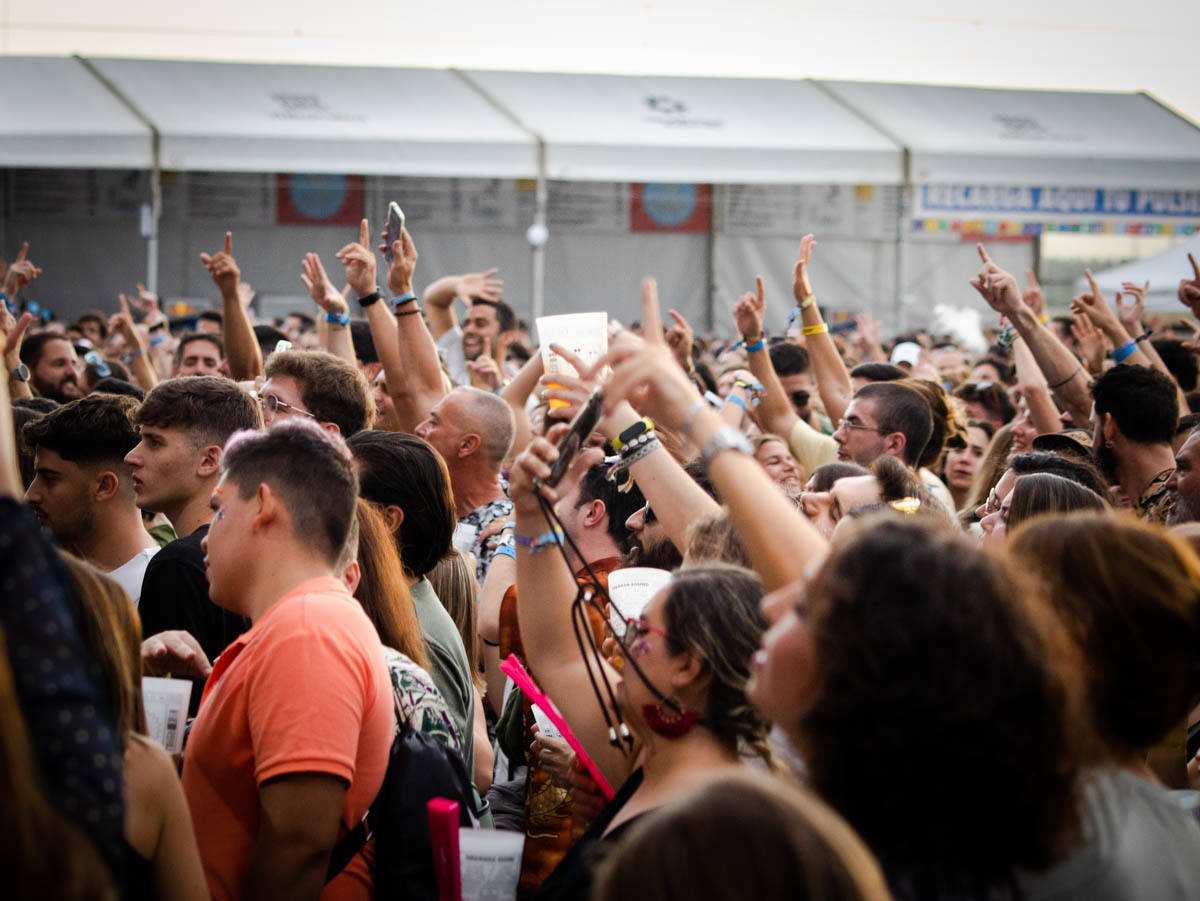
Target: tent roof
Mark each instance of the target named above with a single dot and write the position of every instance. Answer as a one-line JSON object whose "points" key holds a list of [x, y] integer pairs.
{"points": [[268, 118], [60, 116], [1065, 138], [1162, 270], [658, 128]]}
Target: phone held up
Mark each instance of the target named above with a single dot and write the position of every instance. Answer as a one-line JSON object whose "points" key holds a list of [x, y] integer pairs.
{"points": [[395, 222], [581, 427]]}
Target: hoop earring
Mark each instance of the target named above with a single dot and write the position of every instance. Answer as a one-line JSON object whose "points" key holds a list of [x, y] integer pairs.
{"points": [[667, 722]]}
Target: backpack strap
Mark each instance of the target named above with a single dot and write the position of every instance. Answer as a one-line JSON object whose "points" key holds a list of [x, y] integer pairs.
{"points": [[348, 847]]}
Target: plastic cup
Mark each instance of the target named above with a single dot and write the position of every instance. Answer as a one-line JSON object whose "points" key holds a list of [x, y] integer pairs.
{"points": [[631, 590], [586, 334], [166, 705]]}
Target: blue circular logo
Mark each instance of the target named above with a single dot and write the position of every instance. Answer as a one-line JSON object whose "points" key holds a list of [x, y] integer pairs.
{"points": [[669, 205], [318, 196]]}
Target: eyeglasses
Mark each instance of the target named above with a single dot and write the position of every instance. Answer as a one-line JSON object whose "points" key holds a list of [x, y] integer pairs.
{"points": [[858, 426], [800, 398], [635, 628], [273, 405], [649, 516]]}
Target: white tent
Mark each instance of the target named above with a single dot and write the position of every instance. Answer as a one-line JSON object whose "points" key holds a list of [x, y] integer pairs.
{"points": [[235, 117], [59, 115], [1163, 271]]}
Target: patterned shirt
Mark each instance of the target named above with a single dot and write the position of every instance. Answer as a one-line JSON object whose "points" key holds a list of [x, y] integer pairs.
{"points": [[468, 534], [419, 703], [1156, 501]]}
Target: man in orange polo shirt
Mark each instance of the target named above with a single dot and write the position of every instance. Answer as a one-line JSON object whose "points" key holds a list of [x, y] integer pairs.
{"points": [[292, 739]]}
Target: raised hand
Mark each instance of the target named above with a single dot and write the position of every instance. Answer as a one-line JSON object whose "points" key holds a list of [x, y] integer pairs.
{"points": [[533, 464], [122, 324], [404, 263], [174, 653], [480, 284], [1033, 296], [1131, 315], [679, 338], [749, 310], [648, 377], [12, 333], [320, 288], [1189, 290], [1097, 309], [359, 260], [801, 287], [223, 267], [998, 287], [20, 273], [1092, 345], [485, 371]]}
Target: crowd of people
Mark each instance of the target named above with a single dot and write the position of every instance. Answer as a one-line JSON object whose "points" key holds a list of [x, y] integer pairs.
{"points": [[929, 625]]}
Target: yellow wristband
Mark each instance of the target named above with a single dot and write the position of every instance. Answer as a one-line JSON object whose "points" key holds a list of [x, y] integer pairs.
{"points": [[808, 301], [1043, 318], [819, 329]]}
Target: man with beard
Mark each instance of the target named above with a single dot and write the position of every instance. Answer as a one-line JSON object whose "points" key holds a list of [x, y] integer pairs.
{"points": [[53, 366], [488, 317], [652, 546], [1184, 482], [1133, 421]]}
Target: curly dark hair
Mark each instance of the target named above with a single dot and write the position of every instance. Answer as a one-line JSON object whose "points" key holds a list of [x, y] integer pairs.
{"points": [[1142, 401], [943, 722]]}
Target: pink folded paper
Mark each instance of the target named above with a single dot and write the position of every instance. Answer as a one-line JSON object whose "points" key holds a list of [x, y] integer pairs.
{"points": [[512, 668], [443, 833]]}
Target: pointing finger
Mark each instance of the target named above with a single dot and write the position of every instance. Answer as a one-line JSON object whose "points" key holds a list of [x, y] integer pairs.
{"points": [[229, 243], [25, 249], [1191, 259], [758, 290], [679, 320], [983, 254], [651, 317], [364, 234], [1032, 277], [124, 306]]}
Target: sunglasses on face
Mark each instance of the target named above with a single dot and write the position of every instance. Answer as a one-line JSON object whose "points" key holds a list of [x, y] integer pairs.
{"points": [[800, 398], [636, 628]]}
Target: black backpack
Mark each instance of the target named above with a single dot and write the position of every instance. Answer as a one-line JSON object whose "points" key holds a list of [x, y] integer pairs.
{"points": [[420, 768]]}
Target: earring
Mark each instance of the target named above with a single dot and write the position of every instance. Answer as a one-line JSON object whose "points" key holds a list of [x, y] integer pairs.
{"points": [[670, 721]]}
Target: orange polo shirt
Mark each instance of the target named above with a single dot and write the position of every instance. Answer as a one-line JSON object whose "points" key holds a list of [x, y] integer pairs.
{"points": [[305, 690]]}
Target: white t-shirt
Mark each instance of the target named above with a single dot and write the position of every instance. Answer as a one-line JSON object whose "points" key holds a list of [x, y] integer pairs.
{"points": [[130, 573], [450, 345]]}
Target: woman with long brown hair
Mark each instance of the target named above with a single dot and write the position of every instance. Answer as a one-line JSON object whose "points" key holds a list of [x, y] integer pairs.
{"points": [[164, 862]]}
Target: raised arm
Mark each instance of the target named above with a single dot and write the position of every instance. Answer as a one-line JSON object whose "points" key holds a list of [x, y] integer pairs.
{"points": [[775, 412], [830, 373], [674, 496], [781, 542], [137, 351], [12, 333], [1064, 373], [546, 589], [241, 347], [10, 473], [413, 373], [440, 296], [1030, 379], [1131, 318], [335, 327], [516, 393], [1125, 348]]}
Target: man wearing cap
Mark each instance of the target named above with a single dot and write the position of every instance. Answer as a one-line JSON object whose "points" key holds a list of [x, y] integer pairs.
{"points": [[1072, 442]]}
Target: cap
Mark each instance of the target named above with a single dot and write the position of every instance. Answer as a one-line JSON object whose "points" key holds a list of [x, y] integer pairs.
{"points": [[906, 352], [1077, 440]]}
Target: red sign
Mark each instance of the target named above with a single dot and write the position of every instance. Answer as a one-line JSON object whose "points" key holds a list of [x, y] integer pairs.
{"points": [[318, 199], [670, 208]]}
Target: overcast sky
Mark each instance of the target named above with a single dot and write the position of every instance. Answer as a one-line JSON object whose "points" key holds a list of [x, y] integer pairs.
{"points": [[1149, 45]]}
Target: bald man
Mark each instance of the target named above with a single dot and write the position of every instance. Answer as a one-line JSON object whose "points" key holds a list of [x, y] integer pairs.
{"points": [[473, 430]]}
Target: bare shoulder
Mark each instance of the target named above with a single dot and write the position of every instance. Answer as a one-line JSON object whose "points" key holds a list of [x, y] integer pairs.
{"points": [[147, 764]]}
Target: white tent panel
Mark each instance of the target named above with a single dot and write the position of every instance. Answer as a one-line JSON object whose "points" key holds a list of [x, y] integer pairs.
{"points": [[658, 128], [265, 118], [1162, 270], [60, 116], [1053, 138]]}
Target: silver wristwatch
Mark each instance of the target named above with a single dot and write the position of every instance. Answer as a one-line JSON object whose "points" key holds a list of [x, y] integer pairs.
{"points": [[726, 438], [19, 373]]}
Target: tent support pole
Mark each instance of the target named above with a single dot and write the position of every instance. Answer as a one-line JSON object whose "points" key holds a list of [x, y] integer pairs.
{"points": [[538, 248], [710, 306], [903, 216], [151, 229]]}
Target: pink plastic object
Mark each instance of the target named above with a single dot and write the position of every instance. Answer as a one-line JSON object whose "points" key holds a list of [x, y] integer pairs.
{"points": [[443, 833], [512, 667]]}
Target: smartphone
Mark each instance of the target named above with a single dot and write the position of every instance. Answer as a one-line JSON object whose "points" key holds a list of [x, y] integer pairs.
{"points": [[581, 427], [395, 222]]}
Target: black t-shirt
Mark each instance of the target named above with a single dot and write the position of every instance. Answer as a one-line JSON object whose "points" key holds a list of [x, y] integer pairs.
{"points": [[175, 596]]}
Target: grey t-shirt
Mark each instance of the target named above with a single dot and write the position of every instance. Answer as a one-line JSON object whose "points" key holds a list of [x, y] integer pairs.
{"points": [[448, 665], [1140, 844]]}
